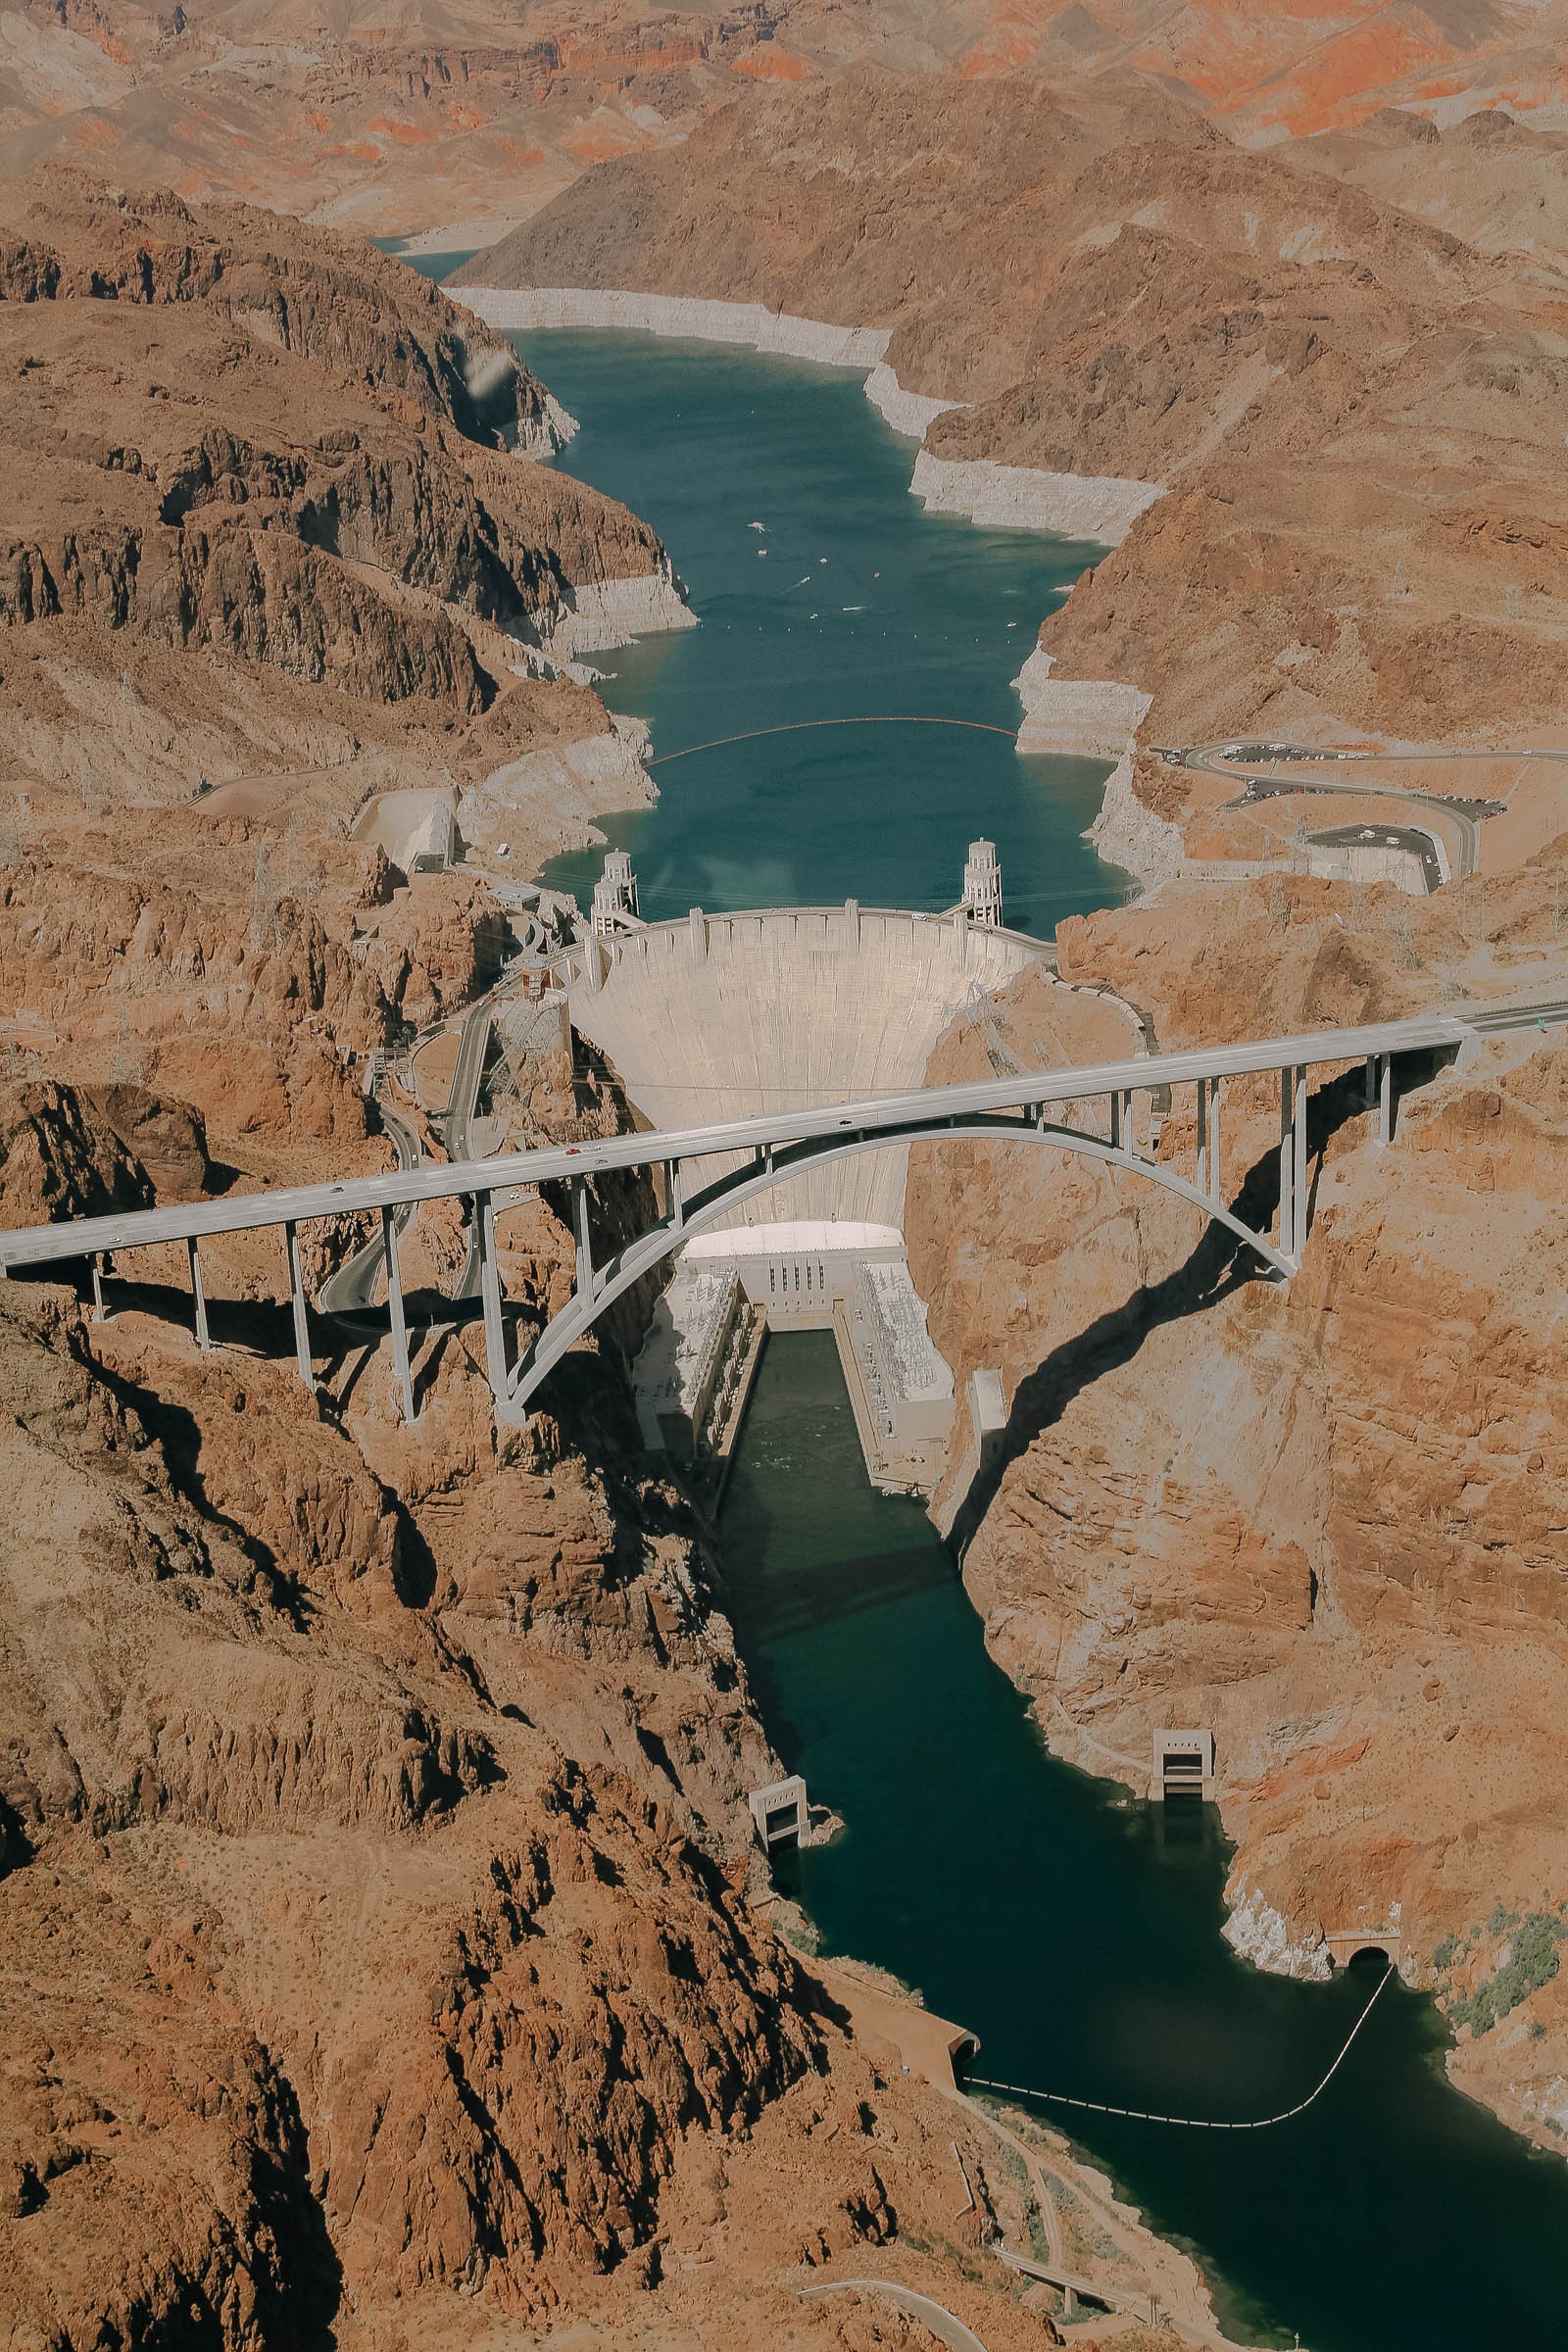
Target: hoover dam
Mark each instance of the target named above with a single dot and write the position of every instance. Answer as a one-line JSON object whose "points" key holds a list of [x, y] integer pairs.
{"points": [[730, 1015]]}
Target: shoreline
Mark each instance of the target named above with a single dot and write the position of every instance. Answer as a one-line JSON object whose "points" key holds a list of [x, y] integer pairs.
{"points": [[1102, 507]]}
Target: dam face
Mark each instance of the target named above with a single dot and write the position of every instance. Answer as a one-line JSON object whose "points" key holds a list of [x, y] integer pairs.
{"points": [[727, 1016]]}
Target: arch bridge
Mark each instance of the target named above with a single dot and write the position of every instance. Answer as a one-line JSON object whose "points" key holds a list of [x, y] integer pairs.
{"points": [[1031, 1107]]}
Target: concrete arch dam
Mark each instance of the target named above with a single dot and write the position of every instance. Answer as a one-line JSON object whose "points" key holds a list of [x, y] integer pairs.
{"points": [[735, 1017], [757, 1014]]}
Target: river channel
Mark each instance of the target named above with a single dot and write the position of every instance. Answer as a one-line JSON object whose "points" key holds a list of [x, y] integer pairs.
{"points": [[1075, 1929]]}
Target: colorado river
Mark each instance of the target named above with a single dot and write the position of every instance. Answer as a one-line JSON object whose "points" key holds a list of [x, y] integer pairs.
{"points": [[1076, 1930]]}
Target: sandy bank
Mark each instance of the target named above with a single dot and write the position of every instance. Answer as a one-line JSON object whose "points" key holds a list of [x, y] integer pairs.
{"points": [[1021, 498], [515, 309], [1086, 719], [547, 435], [550, 800]]}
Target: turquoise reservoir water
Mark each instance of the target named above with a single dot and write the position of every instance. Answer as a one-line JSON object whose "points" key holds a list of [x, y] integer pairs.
{"points": [[850, 600], [1076, 1931]]}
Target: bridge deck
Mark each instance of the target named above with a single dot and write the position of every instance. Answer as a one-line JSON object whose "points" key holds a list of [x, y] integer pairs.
{"points": [[41, 1244]]}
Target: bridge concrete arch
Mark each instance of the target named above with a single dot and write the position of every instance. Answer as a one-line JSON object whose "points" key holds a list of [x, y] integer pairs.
{"points": [[599, 1288]]}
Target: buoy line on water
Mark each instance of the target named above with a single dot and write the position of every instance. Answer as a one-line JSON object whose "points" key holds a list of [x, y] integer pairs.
{"points": [[1192, 2123], [799, 726]]}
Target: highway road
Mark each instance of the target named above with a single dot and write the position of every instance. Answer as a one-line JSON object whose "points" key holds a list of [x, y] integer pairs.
{"points": [[1235, 759], [352, 1289], [41, 1244], [467, 1078]]}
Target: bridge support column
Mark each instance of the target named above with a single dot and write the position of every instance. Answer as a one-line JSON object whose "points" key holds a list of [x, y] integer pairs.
{"points": [[1209, 1182], [675, 1208], [1287, 1168], [1292, 1161], [579, 1219], [1380, 1090], [302, 1317], [198, 1294], [99, 1311], [394, 1300], [495, 1338]]}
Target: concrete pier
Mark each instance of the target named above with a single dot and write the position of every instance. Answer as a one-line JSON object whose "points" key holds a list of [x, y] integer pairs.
{"points": [[780, 1813]]}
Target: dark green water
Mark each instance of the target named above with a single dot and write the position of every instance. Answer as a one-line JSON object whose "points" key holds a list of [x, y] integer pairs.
{"points": [[851, 601], [1077, 1933]]}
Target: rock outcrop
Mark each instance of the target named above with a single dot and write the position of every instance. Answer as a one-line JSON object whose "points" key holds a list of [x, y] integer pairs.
{"points": [[276, 510]]}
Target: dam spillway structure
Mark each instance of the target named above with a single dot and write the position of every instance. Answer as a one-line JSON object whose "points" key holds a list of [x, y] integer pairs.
{"points": [[724, 1016]]}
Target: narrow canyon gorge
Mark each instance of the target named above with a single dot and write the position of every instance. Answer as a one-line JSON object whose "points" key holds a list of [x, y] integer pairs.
{"points": [[390, 1958]]}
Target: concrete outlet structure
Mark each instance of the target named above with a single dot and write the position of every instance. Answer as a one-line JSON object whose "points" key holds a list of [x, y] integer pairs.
{"points": [[614, 908], [1184, 1766], [780, 1813], [1345, 1944]]}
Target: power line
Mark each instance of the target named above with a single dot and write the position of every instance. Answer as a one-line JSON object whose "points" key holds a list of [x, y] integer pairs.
{"points": [[1193, 2123]]}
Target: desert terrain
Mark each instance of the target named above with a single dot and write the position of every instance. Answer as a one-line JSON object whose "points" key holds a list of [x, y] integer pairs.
{"points": [[451, 123], [385, 1958]]}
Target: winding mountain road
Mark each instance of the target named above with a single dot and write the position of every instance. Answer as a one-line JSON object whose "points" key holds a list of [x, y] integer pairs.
{"points": [[351, 1290], [1253, 765]]}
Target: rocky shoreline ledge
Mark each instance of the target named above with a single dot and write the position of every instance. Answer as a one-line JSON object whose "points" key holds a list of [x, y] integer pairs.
{"points": [[1010, 496]]}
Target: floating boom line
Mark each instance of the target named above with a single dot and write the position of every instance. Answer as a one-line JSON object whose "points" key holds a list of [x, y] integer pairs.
{"points": [[1193, 2123], [799, 726]]}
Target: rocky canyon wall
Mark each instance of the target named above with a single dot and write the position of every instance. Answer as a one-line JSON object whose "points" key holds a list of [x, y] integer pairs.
{"points": [[455, 120], [1326, 1518]]}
